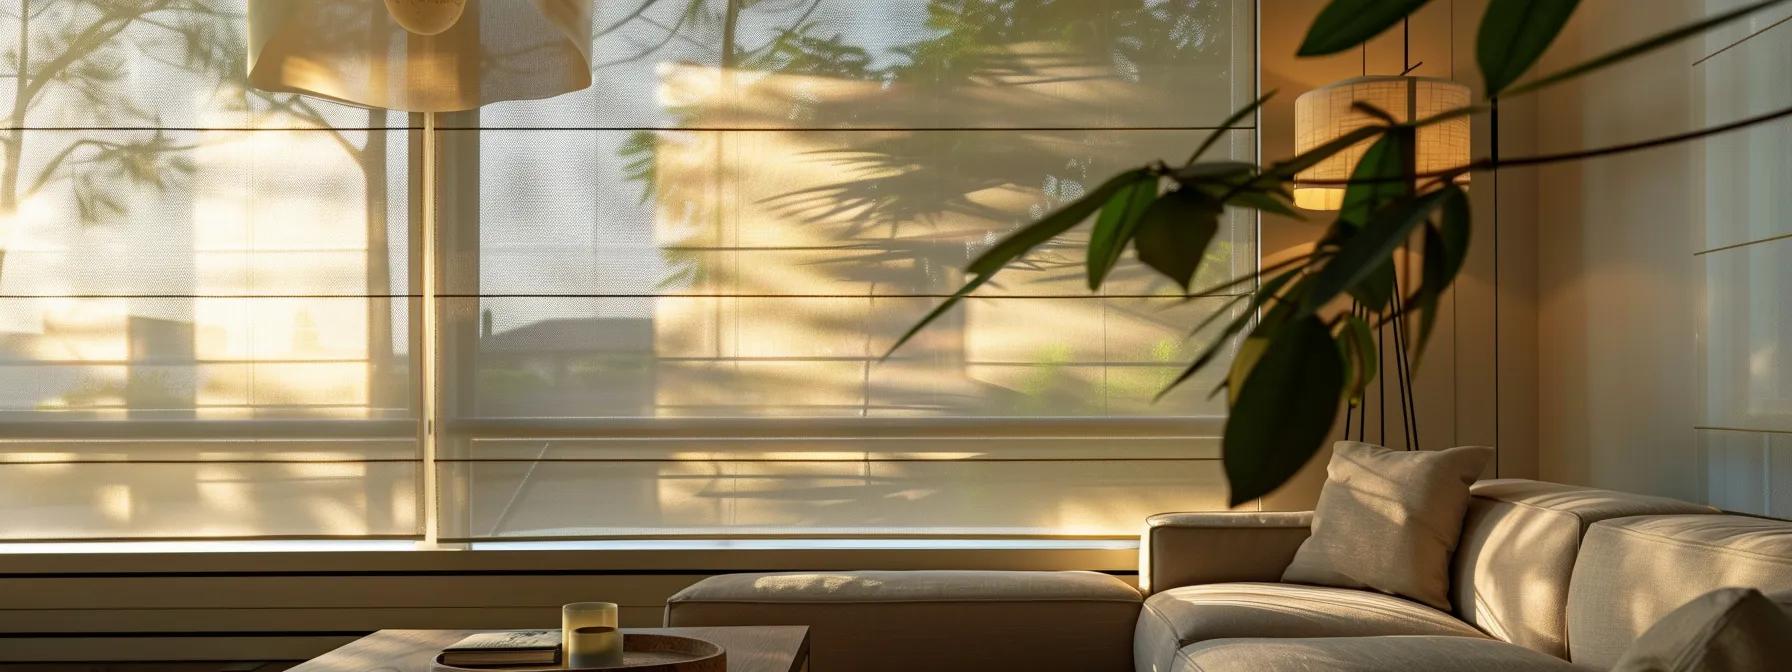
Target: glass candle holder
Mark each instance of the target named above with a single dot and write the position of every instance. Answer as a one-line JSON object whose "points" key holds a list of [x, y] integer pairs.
{"points": [[589, 635]]}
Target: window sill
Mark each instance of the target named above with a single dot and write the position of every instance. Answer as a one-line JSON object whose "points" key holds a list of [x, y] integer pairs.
{"points": [[707, 556], [809, 544]]}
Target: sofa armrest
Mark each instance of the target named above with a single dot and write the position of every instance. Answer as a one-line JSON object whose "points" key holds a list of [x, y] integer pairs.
{"points": [[1185, 549]]}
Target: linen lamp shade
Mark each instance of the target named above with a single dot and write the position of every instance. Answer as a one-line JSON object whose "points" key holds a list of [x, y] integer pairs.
{"points": [[420, 55], [1328, 112], [426, 17]]}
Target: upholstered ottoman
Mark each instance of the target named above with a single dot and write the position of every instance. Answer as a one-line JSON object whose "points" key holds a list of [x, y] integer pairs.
{"points": [[931, 620]]}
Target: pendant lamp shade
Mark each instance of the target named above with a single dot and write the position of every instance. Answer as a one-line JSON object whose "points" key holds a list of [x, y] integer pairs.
{"points": [[420, 55], [1327, 113], [426, 17]]}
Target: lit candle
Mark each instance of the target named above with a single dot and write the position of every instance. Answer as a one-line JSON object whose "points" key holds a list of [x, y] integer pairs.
{"points": [[589, 635]]}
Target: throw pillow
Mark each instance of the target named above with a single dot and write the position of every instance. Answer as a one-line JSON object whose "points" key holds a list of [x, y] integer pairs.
{"points": [[1725, 630], [1388, 520]]}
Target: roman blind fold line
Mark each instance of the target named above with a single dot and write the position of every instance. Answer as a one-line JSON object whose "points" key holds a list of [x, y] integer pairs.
{"points": [[824, 427], [207, 429]]}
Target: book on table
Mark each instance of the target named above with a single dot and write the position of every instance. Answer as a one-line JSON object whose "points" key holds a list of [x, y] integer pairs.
{"points": [[499, 649]]}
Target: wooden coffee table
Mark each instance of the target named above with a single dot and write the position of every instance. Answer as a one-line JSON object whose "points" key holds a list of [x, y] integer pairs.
{"points": [[756, 648]]}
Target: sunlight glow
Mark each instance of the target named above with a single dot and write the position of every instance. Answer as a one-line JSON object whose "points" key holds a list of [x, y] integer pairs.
{"points": [[115, 503]]}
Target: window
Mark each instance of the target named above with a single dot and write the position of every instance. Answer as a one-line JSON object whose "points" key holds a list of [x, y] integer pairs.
{"points": [[1745, 425], [662, 301]]}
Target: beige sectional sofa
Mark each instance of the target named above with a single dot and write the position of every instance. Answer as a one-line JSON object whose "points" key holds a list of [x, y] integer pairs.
{"points": [[1545, 577]]}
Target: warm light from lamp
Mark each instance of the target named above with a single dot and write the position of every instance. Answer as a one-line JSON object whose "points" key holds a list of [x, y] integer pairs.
{"points": [[426, 17], [1327, 113]]}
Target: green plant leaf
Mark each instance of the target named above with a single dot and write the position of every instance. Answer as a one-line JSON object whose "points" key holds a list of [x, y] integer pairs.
{"points": [[1236, 282], [1237, 116], [1642, 47], [1284, 411], [1268, 290], [1370, 109], [1175, 231], [1222, 311], [1368, 250], [1257, 296], [1212, 170], [1381, 177], [1347, 23], [1312, 157], [1052, 225], [1249, 353], [1449, 114], [1455, 227], [986, 265], [1446, 248], [1281, 311], [1376, 289], [1115, 227], [1514, 34], [1260, 200], [1250, 193], [937, 311], [1359, 342]]}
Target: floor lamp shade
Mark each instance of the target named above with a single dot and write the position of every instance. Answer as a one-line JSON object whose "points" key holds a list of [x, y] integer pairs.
{"points": [[1328, 112], [383, 53]]}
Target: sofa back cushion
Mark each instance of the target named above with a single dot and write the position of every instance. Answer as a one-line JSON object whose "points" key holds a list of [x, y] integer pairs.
{"points": [[1633, 571], [1511, 570]]}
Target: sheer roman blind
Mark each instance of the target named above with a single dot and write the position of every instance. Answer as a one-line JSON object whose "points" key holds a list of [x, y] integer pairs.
{"points": [[205, 307], [661, 302], [666, 297]]}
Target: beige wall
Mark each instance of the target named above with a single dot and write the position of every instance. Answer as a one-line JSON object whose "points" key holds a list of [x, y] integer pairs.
{"points": [[1478, 379], [1662, 312], [1618, 297], [1662, 282], [1586, 354]]}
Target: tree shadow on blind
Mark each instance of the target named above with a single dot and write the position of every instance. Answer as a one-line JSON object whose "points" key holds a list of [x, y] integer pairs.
{"points": [[815, 175]]}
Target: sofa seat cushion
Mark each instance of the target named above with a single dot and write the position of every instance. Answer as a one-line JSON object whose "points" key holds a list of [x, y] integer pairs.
{"points": [[1367, 654], [931, 620], [1178, 617]]}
